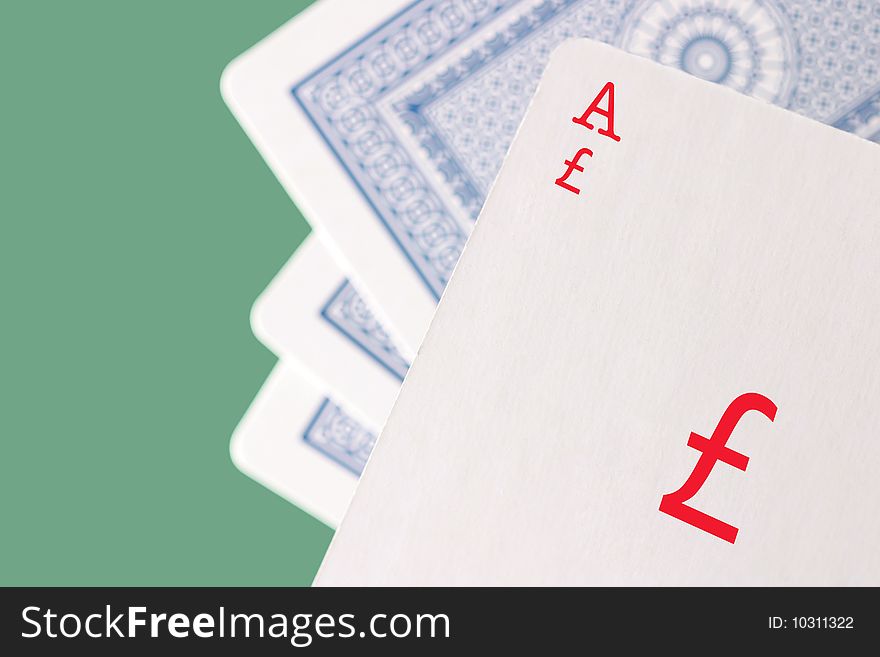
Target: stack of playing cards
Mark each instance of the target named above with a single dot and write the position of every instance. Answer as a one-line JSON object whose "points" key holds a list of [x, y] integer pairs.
{"points": [[657, 361]]}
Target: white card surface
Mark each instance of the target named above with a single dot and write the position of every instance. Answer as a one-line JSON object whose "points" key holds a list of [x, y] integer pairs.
{"points": [[387, 121], [301, 444], [312, 316], [721, 247]]}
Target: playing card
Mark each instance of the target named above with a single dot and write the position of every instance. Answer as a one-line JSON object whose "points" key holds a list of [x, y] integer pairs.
{"points": [[298, 442], [387, 121], [657, 361], [311, 315]]}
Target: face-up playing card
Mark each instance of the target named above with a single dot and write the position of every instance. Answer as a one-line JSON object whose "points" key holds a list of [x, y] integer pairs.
{"points": [[312, 316], [657, 361], [387, 121], [300, 443]]}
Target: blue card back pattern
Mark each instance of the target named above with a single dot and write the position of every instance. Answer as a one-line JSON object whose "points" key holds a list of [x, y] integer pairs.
{"points": [[338, 436], [456, 77], [347, 312]]}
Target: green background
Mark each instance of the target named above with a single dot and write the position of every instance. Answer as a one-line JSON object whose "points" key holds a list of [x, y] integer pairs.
{"points": [[139, 224]]}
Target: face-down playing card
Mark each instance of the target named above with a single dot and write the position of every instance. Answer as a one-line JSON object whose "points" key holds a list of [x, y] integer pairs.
{"points": [[657, 361], [387, 121]]}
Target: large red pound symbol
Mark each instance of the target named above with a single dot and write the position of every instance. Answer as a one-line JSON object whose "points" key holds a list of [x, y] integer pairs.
{"points": [[715, 449]]}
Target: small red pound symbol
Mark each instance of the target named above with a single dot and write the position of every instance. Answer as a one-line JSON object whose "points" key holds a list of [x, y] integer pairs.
{"points": [[573, 165], [715, 449]]}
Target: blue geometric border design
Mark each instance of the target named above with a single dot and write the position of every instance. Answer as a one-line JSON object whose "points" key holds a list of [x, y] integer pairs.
{"points": [[335, 434], [340, 97], [346, 311], [859, 117]]}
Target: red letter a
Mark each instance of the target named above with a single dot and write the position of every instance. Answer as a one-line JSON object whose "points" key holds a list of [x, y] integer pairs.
{"points": [[595, 109]]}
